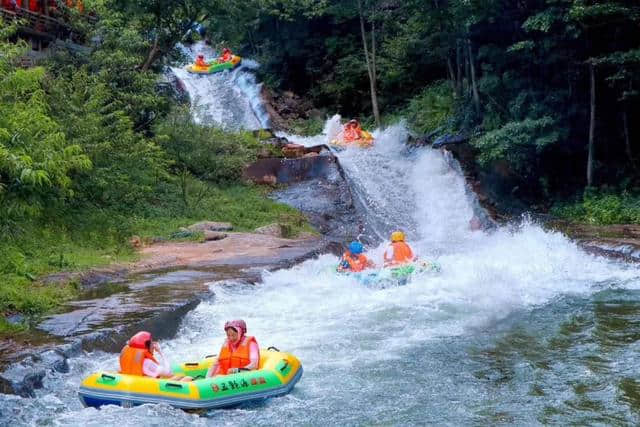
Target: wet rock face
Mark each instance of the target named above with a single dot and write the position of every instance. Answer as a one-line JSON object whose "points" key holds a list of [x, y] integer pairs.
{"points": [[327, 201]]}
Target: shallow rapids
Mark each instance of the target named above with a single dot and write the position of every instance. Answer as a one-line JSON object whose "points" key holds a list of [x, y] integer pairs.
{"points": [[520, 326]]}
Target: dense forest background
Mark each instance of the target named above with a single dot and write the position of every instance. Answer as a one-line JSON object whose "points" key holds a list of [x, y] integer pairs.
{"points": [[94, 148], [549, 86]]}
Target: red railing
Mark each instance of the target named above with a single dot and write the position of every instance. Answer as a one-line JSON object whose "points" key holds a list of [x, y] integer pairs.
{"points": [[40, 22]]}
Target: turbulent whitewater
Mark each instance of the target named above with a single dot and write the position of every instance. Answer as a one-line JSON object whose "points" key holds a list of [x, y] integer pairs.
{"points": [[229, 99], [520, 327]]}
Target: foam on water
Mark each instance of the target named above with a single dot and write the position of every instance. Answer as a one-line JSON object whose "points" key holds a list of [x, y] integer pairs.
{"points": [[229, 99], [360, 346]]}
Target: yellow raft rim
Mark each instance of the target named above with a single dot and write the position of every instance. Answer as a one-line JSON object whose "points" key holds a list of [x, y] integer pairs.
{"points": [[278, 374]]}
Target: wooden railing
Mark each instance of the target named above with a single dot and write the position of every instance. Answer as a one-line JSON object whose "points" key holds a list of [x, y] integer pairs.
{"points": [[41, 23]]}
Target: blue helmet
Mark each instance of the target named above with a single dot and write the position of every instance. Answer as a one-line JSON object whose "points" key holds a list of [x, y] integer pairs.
{"points": [[355, 248]]}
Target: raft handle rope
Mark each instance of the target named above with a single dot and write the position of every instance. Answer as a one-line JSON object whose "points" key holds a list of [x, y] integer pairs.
{"points": [[273, 348], [108, 377]]}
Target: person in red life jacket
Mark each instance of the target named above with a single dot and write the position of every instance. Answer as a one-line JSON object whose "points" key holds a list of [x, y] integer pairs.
{"points": [[200, 61], [398, 252], [239, 351], [353, 260], [142, 356], [352, 131], [226, 55], [9, 4]]}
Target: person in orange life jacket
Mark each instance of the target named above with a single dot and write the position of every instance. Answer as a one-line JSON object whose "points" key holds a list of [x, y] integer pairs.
{"points": [[353, 260], [398, 252], [239, 351], [142, 356], [200, 61], [352, 131], [226, 55]]}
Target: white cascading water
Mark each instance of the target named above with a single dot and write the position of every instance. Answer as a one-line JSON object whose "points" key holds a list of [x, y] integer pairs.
{"points": [[229, 99], [374, 356]]}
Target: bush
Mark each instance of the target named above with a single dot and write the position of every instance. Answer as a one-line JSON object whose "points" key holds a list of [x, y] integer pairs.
{"points": [[602, 209], [430, 109], [208, 153]]}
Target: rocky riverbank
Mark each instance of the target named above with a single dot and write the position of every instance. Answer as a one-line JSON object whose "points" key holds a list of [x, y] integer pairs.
{"points": [[152, 294]]}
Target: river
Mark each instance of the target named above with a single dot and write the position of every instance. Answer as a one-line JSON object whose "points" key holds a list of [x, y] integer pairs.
{"points": [[519, 327]]}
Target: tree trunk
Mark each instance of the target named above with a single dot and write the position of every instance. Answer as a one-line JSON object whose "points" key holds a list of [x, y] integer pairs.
{"points": [[467, 68], [474, 86], [151, 57], [592, 125], [459, 71], [370, 66], [452, 76], [627, 140]]}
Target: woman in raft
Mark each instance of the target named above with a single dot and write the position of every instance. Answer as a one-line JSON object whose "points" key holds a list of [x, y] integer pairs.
{"points": [[239, 351]]}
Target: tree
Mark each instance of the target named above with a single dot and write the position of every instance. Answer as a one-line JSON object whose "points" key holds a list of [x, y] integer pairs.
{"points": [[36, 160], [164, 22]]}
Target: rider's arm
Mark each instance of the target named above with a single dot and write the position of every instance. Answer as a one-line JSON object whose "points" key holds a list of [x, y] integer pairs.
{"points": [[155, 370], [254, 356]]}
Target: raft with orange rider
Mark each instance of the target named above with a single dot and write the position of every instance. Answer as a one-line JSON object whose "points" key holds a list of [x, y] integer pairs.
{"points": [[353, 134], [229, 379], [399, 263], [227, 61]]}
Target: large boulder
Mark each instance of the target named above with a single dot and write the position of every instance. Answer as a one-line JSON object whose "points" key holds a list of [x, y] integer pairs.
{"points": [[275, 230], [214, 235], [293, 150], [210, 226]]}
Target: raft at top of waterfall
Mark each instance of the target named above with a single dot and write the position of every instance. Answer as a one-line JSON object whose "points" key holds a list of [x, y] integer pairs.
{"points": [[353, 134], [226, 61]]}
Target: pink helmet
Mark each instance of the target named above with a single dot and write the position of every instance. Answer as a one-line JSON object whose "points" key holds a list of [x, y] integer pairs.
{"points": [[140, 340], [239, 325]]}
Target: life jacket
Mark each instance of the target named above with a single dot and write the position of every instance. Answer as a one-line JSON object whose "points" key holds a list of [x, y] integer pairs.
{"points": [[352, 133], [132, 359], [238, 358], [357, 263], [200, 63], [402, 253], [226, 57]]}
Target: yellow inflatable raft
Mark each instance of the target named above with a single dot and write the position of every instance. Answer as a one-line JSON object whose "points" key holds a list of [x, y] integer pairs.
{"points": [[278, 374], [365, 140], [215, 67]]}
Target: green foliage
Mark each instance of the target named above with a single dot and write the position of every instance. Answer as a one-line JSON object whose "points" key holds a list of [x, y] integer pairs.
{"points": [[602, 209], [308, 127], [36, 160], [518, 142], [208, 153], [126, 166], [431, 109]]}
